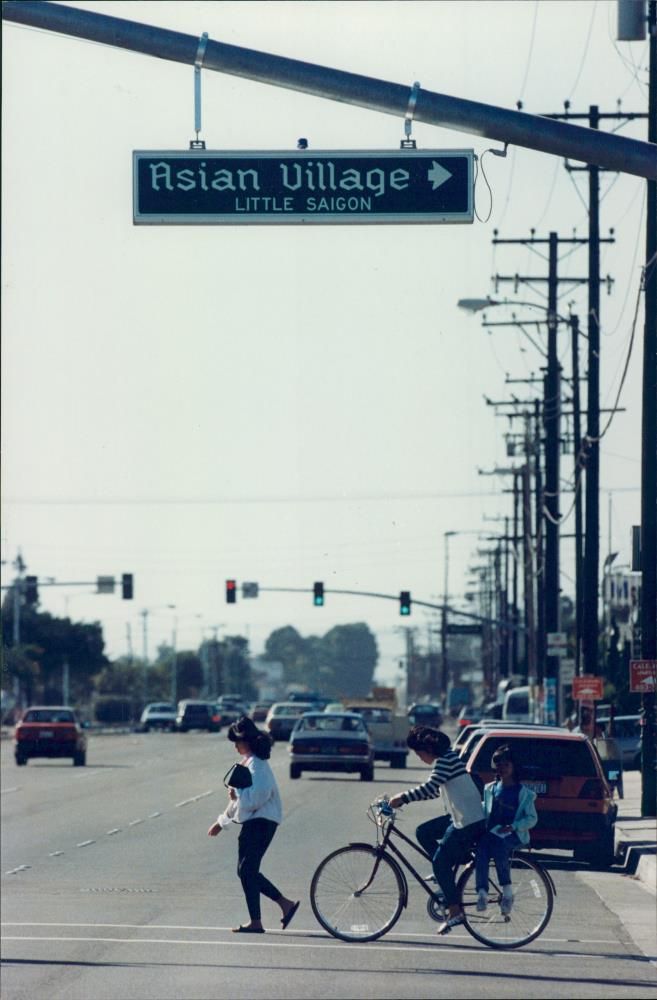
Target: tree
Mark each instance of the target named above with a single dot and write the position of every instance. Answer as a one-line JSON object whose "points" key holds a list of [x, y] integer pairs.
{"points": [[286, 646], [350, 651]]}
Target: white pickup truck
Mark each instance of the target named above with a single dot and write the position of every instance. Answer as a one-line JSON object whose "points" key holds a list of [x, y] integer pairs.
{"points": [[388, 730]]}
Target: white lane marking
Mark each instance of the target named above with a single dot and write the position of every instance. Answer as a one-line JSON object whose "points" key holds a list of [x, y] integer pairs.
{"points": [[85, 843], [6, 791], [154, 815], [136, 822], [110, 833], [319, 935], [55, 854], [491, 953], [21, 868], [195, 798]]}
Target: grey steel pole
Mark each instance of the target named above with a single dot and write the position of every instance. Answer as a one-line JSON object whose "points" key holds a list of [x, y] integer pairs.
{"points": [[579, 476], [517, 128], [649, 451]]}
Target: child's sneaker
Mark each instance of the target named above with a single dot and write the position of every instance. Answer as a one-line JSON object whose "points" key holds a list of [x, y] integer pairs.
{"points": [[506, 904], [482, 900]]}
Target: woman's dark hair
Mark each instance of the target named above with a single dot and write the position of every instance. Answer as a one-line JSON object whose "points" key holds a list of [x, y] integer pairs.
{"points": [[246, 731], [429, 740], [503, 754]]}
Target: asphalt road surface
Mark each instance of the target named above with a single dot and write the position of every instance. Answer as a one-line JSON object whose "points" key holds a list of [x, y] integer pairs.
{"points": [[111, 888]]}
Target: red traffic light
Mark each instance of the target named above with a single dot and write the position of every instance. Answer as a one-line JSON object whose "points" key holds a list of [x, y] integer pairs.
{"points": [[231, 591]]}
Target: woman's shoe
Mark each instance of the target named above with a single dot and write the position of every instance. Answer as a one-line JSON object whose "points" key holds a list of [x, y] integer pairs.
{"points": [[245, 929], [451, 922], [290, 914]]}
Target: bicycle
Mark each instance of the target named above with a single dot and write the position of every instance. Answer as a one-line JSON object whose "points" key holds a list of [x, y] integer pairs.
{"points": [[358, 892]]}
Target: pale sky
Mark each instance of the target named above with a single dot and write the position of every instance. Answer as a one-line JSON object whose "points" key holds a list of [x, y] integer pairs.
{"points": [[288, 404]]}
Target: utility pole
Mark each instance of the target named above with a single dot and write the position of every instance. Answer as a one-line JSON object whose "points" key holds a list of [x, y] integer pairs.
{"points": [[578, 474]]}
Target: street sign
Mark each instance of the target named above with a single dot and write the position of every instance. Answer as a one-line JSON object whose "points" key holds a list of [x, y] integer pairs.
{"points": [[202, 187], [463, 629], [567, 671], [557, 639], [104, 584], [556, 651], [249, 589], [587, 687], [643, 676]]}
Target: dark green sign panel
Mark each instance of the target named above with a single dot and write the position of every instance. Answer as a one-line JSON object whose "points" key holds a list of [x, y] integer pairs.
{"points": [[215, 188]]}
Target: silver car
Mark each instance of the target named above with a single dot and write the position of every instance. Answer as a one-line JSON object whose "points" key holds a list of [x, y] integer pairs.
{"points": [[331, 741]]}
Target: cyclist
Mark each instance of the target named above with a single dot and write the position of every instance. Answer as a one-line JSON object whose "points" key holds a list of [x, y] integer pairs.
{"points": [[447, 840]]}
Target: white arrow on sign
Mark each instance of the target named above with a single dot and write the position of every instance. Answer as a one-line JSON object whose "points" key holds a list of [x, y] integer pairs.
{"points": [[437, 175]]}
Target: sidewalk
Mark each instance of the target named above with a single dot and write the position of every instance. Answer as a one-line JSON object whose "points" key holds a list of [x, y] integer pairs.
{"points": [[636, 837]]}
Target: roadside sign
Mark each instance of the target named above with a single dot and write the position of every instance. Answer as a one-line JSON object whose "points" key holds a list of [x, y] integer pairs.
{"points": [[250, 589], [104, 584], [567, 671], [280, 188], [643, 676], [557, 639], [556, 651], [587, 687]]}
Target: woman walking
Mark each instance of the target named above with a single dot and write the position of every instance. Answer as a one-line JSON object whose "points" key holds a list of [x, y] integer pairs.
{"points": [[258, 810]]}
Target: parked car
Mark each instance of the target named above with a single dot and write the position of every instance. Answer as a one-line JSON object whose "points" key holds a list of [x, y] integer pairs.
{"points": [[197, 715], [426, 714], [627, 731], [331, 741], [574, 802], [259, 711], [334, 706], [468, 715], [158, 715], [230, 711], [283, 716], [50, 731]]}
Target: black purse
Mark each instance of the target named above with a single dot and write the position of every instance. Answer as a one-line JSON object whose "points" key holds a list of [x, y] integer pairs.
{"points": [[238, 776]]}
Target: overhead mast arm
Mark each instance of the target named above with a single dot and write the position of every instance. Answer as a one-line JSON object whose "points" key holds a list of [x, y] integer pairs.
{"points": [[612, 152]]}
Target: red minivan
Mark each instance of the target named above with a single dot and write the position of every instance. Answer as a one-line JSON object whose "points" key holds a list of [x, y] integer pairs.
{"points": [[574, 802]]}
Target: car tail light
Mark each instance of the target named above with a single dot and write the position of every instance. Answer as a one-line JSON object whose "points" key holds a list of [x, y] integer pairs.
{"points": [[216, 718], [465, 722], [355, 748], [593, 789], [20, 733]]}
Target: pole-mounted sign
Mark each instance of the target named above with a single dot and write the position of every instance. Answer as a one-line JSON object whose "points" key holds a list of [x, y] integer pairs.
{"points": [[281, 188]]}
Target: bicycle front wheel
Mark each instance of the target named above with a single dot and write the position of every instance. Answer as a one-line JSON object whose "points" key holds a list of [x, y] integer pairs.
{"points": [[357, 894], [514, 924]]}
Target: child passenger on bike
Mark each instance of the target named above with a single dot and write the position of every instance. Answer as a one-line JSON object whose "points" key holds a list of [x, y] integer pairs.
{"points": [[447, 840], [510, 815]]}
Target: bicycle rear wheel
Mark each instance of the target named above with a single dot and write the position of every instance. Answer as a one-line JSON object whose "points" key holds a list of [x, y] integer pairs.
{"points": [[530, 912], [357, 894]]}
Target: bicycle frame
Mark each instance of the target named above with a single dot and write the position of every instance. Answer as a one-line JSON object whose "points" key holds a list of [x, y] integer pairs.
{"points": [[388, 848]]}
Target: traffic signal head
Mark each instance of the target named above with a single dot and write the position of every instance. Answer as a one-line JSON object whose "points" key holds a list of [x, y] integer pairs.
{"points": [[318, 595], [231, 591], [31, 590], [405, 602], [127, 590]]}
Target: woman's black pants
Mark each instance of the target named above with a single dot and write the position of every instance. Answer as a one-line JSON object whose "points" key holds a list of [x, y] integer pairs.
{"points": [[255, 837]]}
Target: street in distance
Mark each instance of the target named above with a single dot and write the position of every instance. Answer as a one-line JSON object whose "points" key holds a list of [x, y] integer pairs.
{"points": [[355, 187]]}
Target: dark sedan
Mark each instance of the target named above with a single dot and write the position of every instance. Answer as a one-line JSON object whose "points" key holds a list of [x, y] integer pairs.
{"points": [[323, 741]]}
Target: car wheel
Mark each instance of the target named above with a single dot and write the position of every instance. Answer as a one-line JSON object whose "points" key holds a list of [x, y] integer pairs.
{"points": [[367, 773], [80, 759], [21, 759], [295, 771]]}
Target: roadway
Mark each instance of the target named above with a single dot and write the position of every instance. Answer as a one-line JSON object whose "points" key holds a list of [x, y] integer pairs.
{"points": [[111, 888]]}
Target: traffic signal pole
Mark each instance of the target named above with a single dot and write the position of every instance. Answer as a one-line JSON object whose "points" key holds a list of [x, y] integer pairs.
{"points": [[483, 120]]}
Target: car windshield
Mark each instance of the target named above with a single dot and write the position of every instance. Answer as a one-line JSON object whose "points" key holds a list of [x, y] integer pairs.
{"points": [[290, 710], [49, 715], [375, 714], [161, 708], [540, 758], [331, 724]]}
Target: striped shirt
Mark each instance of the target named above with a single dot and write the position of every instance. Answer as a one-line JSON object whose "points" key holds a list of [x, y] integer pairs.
{"points": [[450, 778]]}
